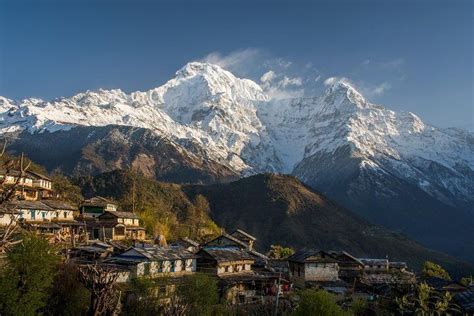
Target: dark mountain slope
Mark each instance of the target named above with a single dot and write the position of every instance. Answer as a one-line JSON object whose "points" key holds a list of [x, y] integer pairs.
{"points": [[393, 202], [281, 209], [93, 150]]}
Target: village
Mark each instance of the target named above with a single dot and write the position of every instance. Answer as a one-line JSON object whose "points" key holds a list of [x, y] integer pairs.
{"points": [[97, 234]]}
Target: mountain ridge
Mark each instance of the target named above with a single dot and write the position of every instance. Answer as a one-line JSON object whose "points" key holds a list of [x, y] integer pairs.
{"points": [[388, 166]]}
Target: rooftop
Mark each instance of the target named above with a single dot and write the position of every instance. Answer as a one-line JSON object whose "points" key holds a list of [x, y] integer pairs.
{"points": [[154, 253], [226, 254], [120, 214], [97, 201], [239, 231]]}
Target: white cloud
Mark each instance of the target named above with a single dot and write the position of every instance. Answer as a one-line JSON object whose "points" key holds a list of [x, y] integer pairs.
{"points": [[278, 77], [380, 89], [268, 76], [366, 89], [286, 81], [394, 64], [234, 61], [332, 80]]}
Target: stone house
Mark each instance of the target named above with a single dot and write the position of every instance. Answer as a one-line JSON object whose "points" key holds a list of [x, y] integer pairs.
{"points": [[115, 225], [233, 268], [308, 265], [31, 186], [350, 268], [48, 217], [152, 261]]}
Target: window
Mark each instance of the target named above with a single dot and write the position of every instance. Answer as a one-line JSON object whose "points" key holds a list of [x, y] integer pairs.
{"points": [[172, 266], [57, 214], [33, 215], [43, 215], [65, 214]]}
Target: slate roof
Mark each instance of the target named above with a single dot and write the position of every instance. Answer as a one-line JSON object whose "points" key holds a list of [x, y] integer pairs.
{"points": [[121, 214], [232, 238], [301, 255], [43, 205], [30, 205], [156, 253], [38, 175], [374, 262], [190, 241], [59, 205], [226, 254], [338, 254], [28, 174], [466, 300], [97, 201], [243, 233]]}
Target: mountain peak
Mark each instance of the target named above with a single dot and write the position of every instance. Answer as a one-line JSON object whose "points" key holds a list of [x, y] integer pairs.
{"points": [[193, 68], [343, 90]]}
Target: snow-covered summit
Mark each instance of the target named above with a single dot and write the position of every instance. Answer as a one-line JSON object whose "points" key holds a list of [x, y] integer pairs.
{"points": [[232, 121]]}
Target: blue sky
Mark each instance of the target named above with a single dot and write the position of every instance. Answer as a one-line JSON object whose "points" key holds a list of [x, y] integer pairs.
{"points": [[408, 55]]}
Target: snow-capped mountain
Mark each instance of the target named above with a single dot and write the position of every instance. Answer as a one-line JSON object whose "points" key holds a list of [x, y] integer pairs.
{"points": [[367, 156]]}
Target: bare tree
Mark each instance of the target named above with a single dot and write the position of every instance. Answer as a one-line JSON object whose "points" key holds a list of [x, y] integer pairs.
{"points": [[8, 193], [100, 280]]}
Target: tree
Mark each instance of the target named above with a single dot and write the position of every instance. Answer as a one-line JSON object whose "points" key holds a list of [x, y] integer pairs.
{"points": [[431, 269], [199, 292], [27, 276], [279, 252], [423, 298], [359, 306], [100, 281], [8, 193], [426, 301], [68, 296], [319, 302], [142, 298]]}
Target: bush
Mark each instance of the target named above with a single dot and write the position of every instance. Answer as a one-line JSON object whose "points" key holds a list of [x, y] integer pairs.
{"points": [[68, 295], [431, 269], [26, 279], [320, 303]]}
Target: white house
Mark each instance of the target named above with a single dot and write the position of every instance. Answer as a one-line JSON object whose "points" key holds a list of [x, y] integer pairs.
{"points": [[153, 261]]}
